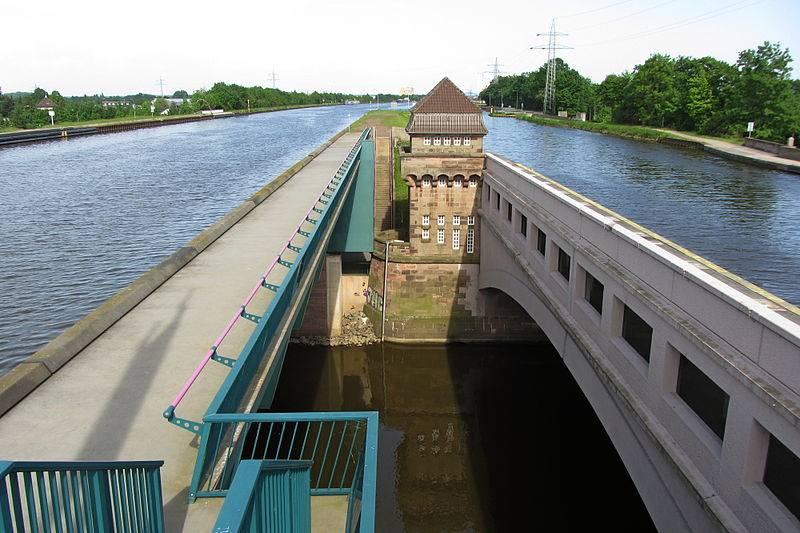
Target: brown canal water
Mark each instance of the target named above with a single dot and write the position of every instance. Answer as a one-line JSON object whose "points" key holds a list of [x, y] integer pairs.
{"points": [[472, 438]]}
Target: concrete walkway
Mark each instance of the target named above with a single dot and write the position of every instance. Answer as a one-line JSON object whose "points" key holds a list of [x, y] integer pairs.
{"points": [[741, 153], [106, 403]]}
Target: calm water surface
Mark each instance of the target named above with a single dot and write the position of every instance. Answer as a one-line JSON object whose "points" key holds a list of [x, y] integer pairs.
{"points": [[742, 217], [81, 219], [472, 438]]}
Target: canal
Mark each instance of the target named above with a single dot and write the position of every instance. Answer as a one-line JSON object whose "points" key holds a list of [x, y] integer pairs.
{"points": [[83, 218], [472, 438], [742, 217]]}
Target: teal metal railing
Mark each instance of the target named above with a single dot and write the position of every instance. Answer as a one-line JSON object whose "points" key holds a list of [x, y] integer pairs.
{"points": [[340, 446], [268, 497], [81, 496], [310, 233]]}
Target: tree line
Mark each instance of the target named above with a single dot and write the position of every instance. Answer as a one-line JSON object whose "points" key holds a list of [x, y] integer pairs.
{"points": [[704, 94], [20, 109]]}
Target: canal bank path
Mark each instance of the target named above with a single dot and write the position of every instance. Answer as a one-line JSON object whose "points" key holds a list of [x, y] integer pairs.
{"points": [[741, 153], [107, 402]]}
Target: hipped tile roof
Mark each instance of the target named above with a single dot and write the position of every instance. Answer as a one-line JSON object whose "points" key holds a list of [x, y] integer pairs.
{"points": [[445, 109]]}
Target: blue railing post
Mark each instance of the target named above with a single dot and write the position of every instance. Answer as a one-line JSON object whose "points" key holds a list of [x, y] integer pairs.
{"points": [[5, 504], [100, 497]]}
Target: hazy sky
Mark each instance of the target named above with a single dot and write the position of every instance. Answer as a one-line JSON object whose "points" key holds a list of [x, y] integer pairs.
{"points": [[92, 46]]}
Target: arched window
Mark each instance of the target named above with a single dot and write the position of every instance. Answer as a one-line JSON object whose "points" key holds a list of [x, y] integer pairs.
{"points": [[446, 141], [442, 180], [467, 141], [473, 180], [437, 141], [426, 180], [458, 181]]}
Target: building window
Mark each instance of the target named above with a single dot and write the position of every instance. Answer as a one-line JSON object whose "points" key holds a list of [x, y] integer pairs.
{"points": [[457, 182], [456, 239], [470, 220], [437, 141], [447, 141], [470, 240], [703, 396], [440, 220], [782, 475], [442, 181], [426, 181], [426, 220], [593, 292], [564, 261], [497, 201], [637, 333], [456, 220], [456, 141], [467, 141], [541, 241], [523, 225], [426, 141], [509, 211], [440, 236], [488, 192], [426, 234], [473, 181]]}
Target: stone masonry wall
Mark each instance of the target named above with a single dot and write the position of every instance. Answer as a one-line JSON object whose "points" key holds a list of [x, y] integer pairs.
{"points": [[440, 302]]}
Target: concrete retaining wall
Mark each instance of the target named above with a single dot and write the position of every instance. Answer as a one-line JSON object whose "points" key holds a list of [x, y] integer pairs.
{"points": [[744, 339], [33, 371], [781, 150]]}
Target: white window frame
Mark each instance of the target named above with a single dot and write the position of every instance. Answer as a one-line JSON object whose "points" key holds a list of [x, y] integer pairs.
{"points": [[426, 220], [456, 220], [456, 141], [456, 239], [426, 234], [440, 236], [446, 141], [426, 141], [457, 182], [437, 141], [440, 220], [473, 182], [470, 240], [426, 182], [442, 181], [467, 141], [470, 220]]}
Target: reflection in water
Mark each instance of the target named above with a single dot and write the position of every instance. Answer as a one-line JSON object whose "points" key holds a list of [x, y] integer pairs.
{"points": [[739, 216], [473, 438]]}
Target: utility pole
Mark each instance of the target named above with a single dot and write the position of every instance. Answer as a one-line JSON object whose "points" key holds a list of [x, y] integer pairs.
{"points": [[549, 105], [161, 84], [495, 72], [273, 78]]}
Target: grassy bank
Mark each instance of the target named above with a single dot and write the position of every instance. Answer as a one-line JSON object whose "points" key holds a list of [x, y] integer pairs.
{"points": [[145, 118], [639, 133], [387, 118]]}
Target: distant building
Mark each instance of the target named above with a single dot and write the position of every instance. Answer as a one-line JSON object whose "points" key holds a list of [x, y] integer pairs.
{"points": [[45, 104], [114, 103], [444, 173]]}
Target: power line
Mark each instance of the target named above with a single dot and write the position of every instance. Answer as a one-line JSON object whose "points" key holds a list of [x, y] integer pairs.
{"points": [[495, 72], [708, 15], [595, 10], [549, 104], [624, 16]]}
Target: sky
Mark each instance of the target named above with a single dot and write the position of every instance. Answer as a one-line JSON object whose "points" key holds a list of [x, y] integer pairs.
{"points": [[359, 46]]}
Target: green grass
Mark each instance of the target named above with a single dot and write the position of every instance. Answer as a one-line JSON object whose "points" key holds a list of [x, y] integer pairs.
{"points": [[620, 130], [383, 118]]}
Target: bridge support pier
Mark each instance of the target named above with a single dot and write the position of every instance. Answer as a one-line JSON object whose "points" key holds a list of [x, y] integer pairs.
{"points": [[323, 317]]}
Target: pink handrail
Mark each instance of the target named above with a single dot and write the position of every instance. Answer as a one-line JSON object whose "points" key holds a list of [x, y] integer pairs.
{"points": [[229, 326]]}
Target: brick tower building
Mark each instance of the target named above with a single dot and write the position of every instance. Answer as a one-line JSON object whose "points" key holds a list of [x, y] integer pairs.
{"points": [[444, 173]]}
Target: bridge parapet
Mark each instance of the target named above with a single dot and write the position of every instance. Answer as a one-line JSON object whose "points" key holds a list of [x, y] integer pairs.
{"points": [[705, 362]]}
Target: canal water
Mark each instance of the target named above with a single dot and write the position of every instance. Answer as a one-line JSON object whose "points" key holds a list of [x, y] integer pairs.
{"points": [[742, 217], [472, 438], [80, 219]]}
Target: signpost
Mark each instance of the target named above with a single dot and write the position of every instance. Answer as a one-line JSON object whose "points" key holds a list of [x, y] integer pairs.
{"points": [[750, 127], [52, 114]]}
